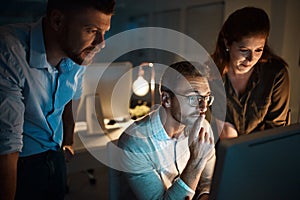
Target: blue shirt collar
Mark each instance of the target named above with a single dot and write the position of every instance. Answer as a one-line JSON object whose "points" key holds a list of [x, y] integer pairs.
{"points": [[158, 130]]}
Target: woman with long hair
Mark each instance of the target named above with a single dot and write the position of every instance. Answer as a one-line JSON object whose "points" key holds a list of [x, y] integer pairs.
{"points": [[256, 80]]}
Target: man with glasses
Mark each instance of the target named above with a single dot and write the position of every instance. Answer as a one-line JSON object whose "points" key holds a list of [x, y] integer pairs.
{"points": [[169, 154]]}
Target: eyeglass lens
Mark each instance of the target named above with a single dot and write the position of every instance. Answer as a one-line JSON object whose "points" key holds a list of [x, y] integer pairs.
{"points": [[195, 100]]}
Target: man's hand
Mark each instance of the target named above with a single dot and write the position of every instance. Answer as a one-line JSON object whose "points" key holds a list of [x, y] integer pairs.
{"points": [[201, 144], [194, 131], [69, 152], [201, 149]]}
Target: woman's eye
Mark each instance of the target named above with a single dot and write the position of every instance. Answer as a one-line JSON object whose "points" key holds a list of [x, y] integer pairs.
{"points": [[259, 50]]}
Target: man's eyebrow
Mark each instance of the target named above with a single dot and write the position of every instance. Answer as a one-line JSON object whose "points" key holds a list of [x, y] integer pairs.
{"points": [[192, 90], [92, 26], [198, 93], [96, 27]]}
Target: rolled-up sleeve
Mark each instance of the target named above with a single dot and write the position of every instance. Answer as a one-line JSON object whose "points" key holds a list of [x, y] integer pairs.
{"points": [[11, 107], [143, 178]]}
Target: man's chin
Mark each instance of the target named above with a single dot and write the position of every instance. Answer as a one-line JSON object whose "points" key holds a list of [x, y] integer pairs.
{"points": [[190, 121], [88, 59], [83, 61]]}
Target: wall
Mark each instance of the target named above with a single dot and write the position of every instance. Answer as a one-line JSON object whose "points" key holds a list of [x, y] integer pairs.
{"points": [[16, 11], [198, 19], [290, 51]]}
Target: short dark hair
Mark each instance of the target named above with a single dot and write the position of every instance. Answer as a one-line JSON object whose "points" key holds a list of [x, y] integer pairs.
{"points": [[182, 68], [104, 6]]}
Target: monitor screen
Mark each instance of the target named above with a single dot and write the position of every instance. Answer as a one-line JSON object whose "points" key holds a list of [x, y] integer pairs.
{"points": [[106, 94], [262, 165]]}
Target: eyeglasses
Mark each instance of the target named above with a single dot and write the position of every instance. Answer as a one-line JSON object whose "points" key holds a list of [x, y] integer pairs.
{"points": [[194, 100]]}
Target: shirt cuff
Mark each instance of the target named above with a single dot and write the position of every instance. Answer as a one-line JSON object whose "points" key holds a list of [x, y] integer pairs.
{"points": [[185, 186]]}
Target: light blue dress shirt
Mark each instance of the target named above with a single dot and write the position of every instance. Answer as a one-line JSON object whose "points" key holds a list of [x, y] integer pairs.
{"points": [[32, 92], [152, 161]]}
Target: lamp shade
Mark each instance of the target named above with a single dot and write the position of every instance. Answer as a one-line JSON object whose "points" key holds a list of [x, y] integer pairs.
{"points": [[140, 86]]}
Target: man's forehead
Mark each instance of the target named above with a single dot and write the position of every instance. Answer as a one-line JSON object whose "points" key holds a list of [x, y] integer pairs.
{"points": [[192, 84], [192, 80]]}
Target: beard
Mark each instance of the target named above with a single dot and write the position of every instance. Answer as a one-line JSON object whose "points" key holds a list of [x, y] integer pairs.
{"points": [[80, 57], [176, 114], [76, 58], [187, 120], [85, 57]]}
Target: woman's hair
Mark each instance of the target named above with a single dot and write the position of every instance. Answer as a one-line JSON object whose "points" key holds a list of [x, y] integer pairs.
{"points": [[105, 6], [244, 22]]}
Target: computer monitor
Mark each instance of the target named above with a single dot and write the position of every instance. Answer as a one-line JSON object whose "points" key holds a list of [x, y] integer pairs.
{"points": [[259, 166], [106, 94]]}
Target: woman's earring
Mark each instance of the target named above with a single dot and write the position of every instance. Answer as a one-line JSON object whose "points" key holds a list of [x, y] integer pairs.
{"points": [[227, 49]]}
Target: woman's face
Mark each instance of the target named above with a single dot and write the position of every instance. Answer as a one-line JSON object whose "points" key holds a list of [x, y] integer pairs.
{"points": [[245, 53]]}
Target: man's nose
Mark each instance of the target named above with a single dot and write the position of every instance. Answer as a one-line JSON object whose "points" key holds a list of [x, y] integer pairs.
{"points": [[202, 104]]}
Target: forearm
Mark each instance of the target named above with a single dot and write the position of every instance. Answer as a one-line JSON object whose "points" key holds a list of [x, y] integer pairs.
{"points": [[191, 174], [206, 176], [201, 150], [8, 174], [153, 187], [68, 125]]}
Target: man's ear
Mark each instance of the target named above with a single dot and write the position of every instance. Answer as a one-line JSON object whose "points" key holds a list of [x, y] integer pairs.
{"points": [[166, 99], [56, 20]]}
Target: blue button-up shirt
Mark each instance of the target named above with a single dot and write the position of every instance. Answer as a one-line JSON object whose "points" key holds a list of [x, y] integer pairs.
{"points": [[32, 92], [151, 159]]}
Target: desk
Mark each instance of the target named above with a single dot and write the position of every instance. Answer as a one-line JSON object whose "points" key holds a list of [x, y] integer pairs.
{"points": [[91, 148]]}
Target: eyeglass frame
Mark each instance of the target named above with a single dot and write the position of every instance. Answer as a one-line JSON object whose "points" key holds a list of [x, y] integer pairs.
{"points": [[199, 98]]}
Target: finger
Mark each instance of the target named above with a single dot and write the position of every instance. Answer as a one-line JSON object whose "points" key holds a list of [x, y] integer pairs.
{"points": [[196, 129], [202, 135], [206, 137], [211, 141]]}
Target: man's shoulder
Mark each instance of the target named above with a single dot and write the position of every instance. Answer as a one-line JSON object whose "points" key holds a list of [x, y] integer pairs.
{"points": [[136, 136], [13, 35], [14, 48]]}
